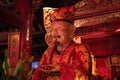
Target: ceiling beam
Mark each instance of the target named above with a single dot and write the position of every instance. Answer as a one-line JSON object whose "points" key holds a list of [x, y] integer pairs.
{"points": [[11, 18]]}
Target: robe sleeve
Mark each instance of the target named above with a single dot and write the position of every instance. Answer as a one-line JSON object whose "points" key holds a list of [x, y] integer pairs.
{"points": [[82, 59], [38, 75], [46, 56]]}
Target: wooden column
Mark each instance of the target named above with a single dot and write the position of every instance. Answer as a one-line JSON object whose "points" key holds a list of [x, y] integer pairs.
{"points": [[24, 8]]}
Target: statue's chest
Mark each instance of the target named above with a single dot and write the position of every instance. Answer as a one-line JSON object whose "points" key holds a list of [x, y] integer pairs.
{"points": [[56, 58]]}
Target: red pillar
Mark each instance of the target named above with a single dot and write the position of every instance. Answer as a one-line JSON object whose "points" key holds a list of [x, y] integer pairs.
{"points": [[25, 9]]}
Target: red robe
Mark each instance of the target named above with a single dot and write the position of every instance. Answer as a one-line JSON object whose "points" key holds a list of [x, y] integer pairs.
{"points": [[74, 63]]}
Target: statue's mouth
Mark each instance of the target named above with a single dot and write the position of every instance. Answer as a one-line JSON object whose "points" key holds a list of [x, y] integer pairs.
{"points": [[56, 44]]}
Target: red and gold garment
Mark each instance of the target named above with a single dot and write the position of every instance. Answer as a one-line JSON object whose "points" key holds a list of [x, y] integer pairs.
{"points": [[74, 63]]}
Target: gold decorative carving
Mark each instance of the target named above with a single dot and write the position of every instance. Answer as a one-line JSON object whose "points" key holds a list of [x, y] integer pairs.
{"points": [[97, 29], [114, 59], [47, 11], [94, 4], [96, 19]]}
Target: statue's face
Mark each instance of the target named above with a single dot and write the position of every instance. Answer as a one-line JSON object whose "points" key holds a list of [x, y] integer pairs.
{"points": [[61, 32]]}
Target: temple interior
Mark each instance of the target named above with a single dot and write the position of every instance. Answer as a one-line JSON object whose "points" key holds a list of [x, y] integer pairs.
{"points": [[23, 27]]}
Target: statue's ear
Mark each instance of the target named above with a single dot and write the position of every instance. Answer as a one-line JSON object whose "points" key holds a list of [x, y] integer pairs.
{"points": [[72, 30]]}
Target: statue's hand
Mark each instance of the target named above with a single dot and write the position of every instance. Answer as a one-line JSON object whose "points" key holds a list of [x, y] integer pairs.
{"points": [[56, 68], [49, 68]]}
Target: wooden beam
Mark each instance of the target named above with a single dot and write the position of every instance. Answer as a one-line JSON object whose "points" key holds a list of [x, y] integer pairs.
{"points": [[98, 30], [10, 18], [97, 12], [4, 38]]}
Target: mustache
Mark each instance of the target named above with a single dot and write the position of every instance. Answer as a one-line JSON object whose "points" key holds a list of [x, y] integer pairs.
{"points": [[56, 43]]}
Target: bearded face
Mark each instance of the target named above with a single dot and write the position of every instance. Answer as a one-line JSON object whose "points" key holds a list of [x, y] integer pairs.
{"points": [[61, 32]]}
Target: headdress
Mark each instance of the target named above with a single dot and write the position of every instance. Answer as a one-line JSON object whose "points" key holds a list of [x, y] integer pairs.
{"points": [[63, 14]]}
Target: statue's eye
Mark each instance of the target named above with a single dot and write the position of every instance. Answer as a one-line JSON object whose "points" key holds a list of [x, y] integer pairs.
{"points": [[58, 36]]}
